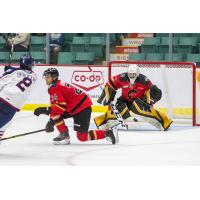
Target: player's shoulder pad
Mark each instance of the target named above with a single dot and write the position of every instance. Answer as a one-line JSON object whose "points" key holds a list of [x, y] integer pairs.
{"points": [[123, 77], [143, 79], [9, 70], [29, 72]]}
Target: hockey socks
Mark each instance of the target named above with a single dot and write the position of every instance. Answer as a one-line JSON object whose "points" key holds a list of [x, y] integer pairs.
{"points": [[91, 135], [97, 135]]}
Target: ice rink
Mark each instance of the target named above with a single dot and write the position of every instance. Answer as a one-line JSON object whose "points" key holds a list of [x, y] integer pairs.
{"points": [[143, 146]]}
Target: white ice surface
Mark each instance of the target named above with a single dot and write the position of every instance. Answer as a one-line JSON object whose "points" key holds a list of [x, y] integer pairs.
{"points": [[144, 146]]}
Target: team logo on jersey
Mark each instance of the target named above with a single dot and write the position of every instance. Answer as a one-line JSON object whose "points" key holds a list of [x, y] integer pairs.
{"points": [[132, 94], [87, 80], [54, 98]]}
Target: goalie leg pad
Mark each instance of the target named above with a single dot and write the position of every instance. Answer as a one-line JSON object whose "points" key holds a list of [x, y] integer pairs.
{"points": [[102, 119], [141, 108], [166, 121], [123, 110]]}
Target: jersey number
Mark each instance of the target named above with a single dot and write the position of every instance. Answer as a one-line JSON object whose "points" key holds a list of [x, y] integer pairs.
{"points": [[76, 90], [26, 82]]}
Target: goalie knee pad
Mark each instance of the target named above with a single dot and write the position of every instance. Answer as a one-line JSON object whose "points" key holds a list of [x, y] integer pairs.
{"points": [[123, 110], [140, 107]]}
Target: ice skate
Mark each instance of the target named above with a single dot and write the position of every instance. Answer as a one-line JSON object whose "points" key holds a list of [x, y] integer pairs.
{"points": [[112, 136], [62, 139]]}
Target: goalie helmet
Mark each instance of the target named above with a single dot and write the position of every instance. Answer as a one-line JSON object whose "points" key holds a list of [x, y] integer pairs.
{"points": [[133, 72], [26, 62], [53, 72]]}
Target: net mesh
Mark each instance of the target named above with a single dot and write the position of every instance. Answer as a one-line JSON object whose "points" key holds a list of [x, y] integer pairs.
{"points": [[179, 82]]}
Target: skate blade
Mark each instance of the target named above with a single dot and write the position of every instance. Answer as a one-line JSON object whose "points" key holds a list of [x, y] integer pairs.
{"points": [[63, 142], [108, 139], [116, 137]]}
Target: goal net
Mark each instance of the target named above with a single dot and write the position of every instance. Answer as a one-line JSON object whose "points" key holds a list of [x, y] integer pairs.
{"points": [[179, 82]]}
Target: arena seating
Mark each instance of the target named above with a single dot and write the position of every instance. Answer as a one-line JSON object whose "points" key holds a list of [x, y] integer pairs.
{"points": [[186, 47], [37, 43], [4, 57], [2, 42], [137, 56], [66, 57], [84, 58], [175, 57], [87, 48]]}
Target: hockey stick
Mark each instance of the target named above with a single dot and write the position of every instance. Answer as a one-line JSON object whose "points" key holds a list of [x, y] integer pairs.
{"points": [[23, 134], [10, 54]]}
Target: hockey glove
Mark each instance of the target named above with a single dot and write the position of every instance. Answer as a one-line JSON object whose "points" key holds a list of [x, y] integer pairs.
{"points": [[50, 126], [7, 67], [42, 110]]}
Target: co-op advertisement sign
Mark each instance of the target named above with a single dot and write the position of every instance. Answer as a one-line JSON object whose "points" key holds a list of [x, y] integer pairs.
{"points": [[87, 79]]}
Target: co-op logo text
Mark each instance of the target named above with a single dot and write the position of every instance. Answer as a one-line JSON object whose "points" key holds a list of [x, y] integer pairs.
{"points": [[87, 79]]}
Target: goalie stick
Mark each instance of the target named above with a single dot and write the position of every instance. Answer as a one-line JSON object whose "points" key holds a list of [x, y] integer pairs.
{"points": [[118, 115], [114, 109]]}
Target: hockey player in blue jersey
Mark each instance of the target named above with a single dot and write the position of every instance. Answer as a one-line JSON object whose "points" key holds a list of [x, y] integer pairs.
{"points": [[15, 86]]}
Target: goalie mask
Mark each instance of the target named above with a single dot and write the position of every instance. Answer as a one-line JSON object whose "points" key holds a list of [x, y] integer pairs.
{"points": [[133, 72]]}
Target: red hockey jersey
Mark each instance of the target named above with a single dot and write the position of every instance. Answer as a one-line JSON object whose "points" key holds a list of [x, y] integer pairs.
{"points": [[130, 91], [64, 97]]}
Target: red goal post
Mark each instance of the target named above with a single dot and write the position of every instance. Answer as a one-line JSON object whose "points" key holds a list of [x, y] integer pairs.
{"points": [[179, 82]]}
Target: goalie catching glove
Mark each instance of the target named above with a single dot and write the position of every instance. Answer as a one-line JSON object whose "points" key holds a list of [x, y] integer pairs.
{"points": [[152, 95]]}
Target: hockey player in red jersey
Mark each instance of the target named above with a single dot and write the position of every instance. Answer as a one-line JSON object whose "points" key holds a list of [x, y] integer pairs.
{"points": [[68, 101], [138, 96]]}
